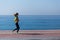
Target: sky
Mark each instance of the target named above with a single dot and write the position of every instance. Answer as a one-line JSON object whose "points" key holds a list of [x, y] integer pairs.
{"points": [[30, 7]]}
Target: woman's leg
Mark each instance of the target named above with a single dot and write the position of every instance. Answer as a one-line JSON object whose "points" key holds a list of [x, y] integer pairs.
{"points": [[17, 27], [18, 30]]}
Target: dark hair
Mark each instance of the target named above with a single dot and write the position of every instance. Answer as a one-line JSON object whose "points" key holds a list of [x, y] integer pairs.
{"points": [[17, 13]]}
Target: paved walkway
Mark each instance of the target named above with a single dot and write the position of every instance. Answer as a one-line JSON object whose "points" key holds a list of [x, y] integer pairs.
{"points": [[30, 35]]}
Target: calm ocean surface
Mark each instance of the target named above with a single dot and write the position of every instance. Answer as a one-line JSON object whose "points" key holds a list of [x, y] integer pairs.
{"points": [[31, 22]]}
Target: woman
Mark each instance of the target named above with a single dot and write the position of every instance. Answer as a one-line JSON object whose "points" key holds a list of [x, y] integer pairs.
{"points": [[16, 22]]}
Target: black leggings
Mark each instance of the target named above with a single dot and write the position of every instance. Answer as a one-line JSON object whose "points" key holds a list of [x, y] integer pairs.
{"points": [[17, 27]]}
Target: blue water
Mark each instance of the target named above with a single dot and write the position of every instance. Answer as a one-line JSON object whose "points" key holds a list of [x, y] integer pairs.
{"points": [[31, 22]]}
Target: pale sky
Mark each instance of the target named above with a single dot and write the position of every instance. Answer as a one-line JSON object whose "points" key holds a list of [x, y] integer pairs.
{"points": [[30, 7]]}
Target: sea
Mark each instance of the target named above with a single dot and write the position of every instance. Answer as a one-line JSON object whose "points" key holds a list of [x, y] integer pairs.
{"points": [[31, 22]]}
